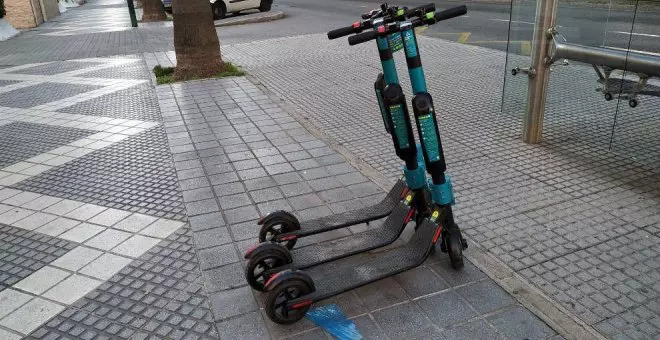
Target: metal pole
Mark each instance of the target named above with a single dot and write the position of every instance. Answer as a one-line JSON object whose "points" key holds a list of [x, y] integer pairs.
{"points": [[546, 13], [131, 12]]}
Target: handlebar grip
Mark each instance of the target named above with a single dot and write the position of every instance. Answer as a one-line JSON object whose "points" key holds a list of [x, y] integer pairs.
{"points": [[451, 13], [362, 37], [340, 32], [420, 10]]}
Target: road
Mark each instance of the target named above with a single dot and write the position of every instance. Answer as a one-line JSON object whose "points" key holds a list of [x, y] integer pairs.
{"points": [[486, 24]]}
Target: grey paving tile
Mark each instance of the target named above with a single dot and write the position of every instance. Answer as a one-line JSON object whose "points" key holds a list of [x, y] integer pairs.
{"points": [[82, 232], [486, 296], [206, 221], [197, 194], [242, 214], [42, 280], [234, 201], [264, 195], [519, 323], [105, 266], [229, 189], [135, 246], [76, 258], [477, 329], [225, 277], [202, 207], [381, 294], [228, 303], [467, 274], [135, 223], [109, 217], [245, 327], [446, 309], [12, 299], [108, 239], [420, 281], [405, 321], [217, 256], [212, 237], [162, 228], [72, 288], [31, 315]]}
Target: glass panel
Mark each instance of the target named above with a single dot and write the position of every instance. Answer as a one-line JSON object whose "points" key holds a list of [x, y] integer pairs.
{"points": [[637, 129]]}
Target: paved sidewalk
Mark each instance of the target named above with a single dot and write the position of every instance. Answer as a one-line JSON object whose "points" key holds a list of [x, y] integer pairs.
{"points": [[577, 220]]}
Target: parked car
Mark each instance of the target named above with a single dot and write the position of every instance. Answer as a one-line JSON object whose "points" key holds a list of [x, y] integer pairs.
{"points": [[222, 7]]}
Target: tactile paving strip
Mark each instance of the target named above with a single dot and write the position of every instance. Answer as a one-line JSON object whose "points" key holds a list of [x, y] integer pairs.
{"points": [[7, 82], [22, 252], [158, 296], [56, 68], [20, 140], [42, 93], [135, 174], [137, 102]]}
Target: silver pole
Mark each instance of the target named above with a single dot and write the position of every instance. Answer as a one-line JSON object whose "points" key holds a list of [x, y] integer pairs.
{"points": [[546, 13]]}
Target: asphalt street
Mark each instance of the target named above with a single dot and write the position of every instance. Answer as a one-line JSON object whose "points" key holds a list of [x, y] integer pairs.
{"points": [[486, 24]]}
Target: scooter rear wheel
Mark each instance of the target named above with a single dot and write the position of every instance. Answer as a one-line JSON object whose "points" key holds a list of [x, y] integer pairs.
{"points": [[255, 271], [276, 227], [280, 295]]}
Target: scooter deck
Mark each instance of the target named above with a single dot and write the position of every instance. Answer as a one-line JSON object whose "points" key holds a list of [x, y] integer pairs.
{"points": [[371, 239], [353, 217], [337, 277]]}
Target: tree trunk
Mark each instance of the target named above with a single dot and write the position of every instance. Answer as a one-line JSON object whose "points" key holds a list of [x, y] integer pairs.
{"points": [[195, 40], [153, 11]]}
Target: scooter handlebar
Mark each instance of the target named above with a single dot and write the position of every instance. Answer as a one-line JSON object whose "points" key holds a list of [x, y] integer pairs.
{"points": [[341, 32], [420, 10], [362, 37], [451, 13]]}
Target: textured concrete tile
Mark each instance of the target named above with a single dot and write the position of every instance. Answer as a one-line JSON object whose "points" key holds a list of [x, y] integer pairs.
{"points": [[135, 222], [105, 266], [85, 212], [206, 221], [135, 246], [76, 258], [31, 315], [107, 239], [212, 237], [42, 203], [454, 277], [381, 294], [225, 277], [82, 232], [42, 280], [162, 228], [10, 336], [14, 214], [420, 281], [63, 207], [109, 217], [217, 256], [57, 226], [21, 199], [11, 299], [34, 221], [72, 288]]}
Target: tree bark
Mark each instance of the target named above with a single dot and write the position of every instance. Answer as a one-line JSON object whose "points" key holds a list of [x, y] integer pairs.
{"points": [[152, 11], [195, 40]]}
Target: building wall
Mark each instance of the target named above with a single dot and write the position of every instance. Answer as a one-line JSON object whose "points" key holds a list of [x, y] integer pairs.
{"points": [[28, 14]]}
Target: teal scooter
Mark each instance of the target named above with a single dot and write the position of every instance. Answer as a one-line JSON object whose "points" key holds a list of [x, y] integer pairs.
{"points": [[291, 291]]}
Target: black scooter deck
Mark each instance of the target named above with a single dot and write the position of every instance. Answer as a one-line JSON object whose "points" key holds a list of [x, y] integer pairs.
{"points": [[353, 217], [371, 239], [339, 276]]}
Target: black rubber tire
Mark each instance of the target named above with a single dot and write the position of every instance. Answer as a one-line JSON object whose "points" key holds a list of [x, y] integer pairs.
{"points": [[275, 227], [219, 10], [608, 96], [455, 249], [283, 292], [265, 5], [633, 103], [260, 262]]}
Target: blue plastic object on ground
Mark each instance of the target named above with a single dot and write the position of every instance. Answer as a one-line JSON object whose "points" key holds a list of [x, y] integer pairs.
{"points": [[333, 321]]}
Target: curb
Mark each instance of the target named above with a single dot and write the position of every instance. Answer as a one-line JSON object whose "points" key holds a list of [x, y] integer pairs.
{"points": [[250, 19], [564, 322]]}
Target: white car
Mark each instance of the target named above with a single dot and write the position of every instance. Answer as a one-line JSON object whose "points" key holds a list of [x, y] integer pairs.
{"points": [[222, 7]]}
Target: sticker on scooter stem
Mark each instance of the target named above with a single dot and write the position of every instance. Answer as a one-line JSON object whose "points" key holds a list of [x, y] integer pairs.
{"points": [[399, 122], [429, 137]]}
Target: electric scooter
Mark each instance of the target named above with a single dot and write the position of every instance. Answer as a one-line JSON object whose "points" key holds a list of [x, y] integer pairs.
{"points": [[291, 291], [281, 229]]}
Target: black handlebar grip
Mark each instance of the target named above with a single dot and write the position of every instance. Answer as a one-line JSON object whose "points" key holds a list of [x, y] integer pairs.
{"points": [[420, 10], [451, 13], [362, 37], [340, 32]]}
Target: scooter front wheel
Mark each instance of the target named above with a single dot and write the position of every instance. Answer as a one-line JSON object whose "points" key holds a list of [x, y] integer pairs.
{"points": [[260, 263]]}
